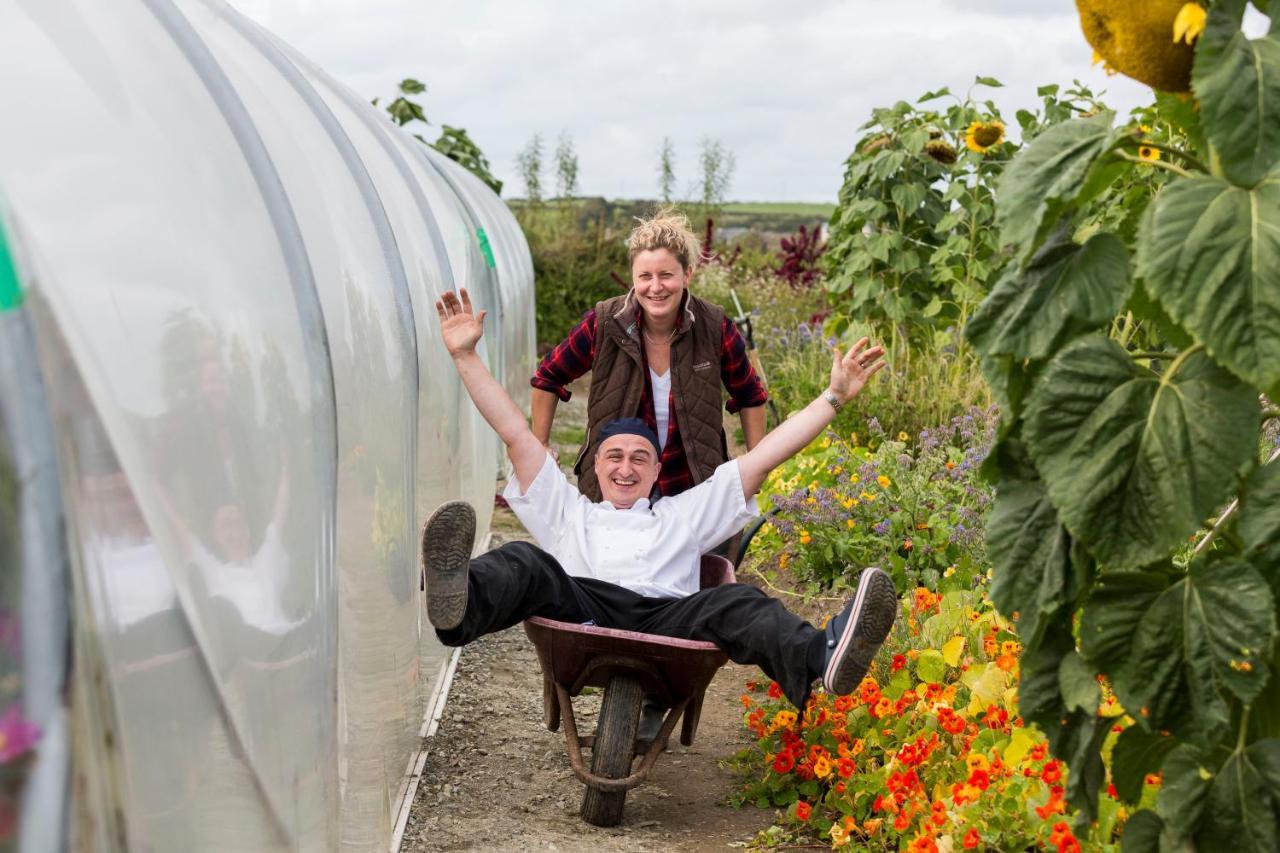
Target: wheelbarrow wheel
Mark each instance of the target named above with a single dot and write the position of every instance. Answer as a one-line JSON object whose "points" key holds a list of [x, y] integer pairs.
{"points": [[614, 749]]}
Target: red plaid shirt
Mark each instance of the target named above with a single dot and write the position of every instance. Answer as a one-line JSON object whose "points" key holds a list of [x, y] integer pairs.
{"points": [[574, 356]]}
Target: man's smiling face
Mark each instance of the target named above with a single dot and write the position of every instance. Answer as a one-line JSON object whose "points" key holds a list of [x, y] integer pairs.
{"points": [[627, 467]]}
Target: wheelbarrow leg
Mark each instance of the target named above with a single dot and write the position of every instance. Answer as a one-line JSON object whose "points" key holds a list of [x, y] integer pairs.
{"points": [[613, 749], [689, 726], [550, 704]]}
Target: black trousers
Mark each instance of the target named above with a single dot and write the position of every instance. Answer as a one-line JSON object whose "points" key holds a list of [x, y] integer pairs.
{"points": [[519, 580]]}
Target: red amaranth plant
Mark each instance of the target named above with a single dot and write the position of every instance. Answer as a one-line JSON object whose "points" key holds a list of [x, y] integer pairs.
{"points": [[798, 258]]}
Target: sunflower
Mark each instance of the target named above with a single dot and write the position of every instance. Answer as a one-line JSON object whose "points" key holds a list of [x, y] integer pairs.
{"points": [[1133, 37], [1189, 24], [982, 136], [1146, 152], [939, 150]]}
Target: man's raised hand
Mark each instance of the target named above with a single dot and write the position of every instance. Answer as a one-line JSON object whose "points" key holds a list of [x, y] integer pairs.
{"points": [[851, 371], [460, 326]]}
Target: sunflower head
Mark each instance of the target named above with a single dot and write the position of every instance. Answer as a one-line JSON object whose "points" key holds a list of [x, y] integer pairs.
{"points": [[875, 143], [982, 136], [941, 151], [1146, 152], [1135, 38]]}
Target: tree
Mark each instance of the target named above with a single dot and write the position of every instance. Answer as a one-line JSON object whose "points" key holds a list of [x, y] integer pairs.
{"points": [[566, 167], [667, 170], [529, 162], [717, 173], [453, 142]]}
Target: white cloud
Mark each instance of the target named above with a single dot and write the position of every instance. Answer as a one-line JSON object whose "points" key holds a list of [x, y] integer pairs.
{"points": [[784, 88]]}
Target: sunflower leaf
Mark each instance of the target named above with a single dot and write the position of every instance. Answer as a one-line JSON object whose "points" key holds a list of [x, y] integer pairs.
{"points": [[1210, 629], [1260, 523], [1030, 552], [1133, 460], [1044, 181], [1244, 801], [1066, 289], [1209, 253], [1187, 773], [1142, 833], [1136, 754], [1237, 83]]}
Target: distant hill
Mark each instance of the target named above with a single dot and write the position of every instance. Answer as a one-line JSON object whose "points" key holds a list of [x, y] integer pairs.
{"points": [[772, 219]]}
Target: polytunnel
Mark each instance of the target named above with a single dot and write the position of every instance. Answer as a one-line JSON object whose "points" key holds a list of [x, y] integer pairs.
{"points": [[224, 415]]}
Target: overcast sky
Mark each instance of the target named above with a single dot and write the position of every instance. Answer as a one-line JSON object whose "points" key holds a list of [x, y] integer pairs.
{"points": [[784, 89]]}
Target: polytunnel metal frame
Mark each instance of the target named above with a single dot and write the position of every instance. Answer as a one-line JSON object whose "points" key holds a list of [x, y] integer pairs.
{"points": [[226, 326]]}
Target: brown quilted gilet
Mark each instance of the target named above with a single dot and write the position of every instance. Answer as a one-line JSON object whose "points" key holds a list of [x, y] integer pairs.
{"points": [[618, 376]]}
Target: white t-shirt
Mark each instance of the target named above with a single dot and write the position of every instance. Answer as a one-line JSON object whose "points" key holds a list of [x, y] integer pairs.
{"points": [[661, 404], [653, 549]]}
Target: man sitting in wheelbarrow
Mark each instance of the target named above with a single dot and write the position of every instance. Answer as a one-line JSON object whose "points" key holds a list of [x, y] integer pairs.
{"points": [[630, 564]]}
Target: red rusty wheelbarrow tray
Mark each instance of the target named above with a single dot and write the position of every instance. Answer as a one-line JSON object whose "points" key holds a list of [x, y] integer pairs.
{"points": [[627, 664]]}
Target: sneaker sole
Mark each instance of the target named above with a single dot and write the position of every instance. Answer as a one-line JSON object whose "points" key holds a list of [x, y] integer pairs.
{"points": [[875, 608], [447, 540]]}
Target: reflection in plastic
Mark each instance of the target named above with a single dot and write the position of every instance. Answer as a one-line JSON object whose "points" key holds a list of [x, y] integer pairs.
{"points": [[224, 412]]}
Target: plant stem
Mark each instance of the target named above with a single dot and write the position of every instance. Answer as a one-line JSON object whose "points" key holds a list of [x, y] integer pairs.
{"points": [[1244, 727], [1159, 164]]}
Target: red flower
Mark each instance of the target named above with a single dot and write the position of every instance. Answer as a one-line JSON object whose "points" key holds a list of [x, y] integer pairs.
{"points": [[899, 661], [845, 767], [803, 810], [783, 762], [972, 839], [775, 690], [1052, 773], [980, 780]]}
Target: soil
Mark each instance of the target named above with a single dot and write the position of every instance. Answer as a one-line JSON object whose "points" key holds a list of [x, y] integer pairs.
{"points": [[496, 779]]}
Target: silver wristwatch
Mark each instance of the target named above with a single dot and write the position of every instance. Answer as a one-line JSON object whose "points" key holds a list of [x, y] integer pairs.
{"points": [[830, 397]]}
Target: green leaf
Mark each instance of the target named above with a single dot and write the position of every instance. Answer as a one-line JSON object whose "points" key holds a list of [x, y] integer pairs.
{"points": [[1237, 83], [930, 96], [1030, 552], [1065, 290], [908, 196], [1135, 460], [1078, 683], [1210, 629], [1045, 178], [410, 86], [1260, 523], [1136, 754], [1182, 795], [1244, 802], [1209, 252], [1039, 692], [931, 668], [1111, 615], [987, 81], [1142, 833]]}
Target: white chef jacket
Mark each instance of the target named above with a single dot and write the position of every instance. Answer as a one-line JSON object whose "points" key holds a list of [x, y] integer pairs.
{"points": [[652, 549]]}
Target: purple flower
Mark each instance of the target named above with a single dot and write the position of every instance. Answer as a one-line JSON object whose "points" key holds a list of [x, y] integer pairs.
{"points": [[17, 734], [874, 427], [882, 527]]}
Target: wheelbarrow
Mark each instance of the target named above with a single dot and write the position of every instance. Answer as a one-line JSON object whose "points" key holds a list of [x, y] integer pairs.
{"points": [[627, 664]]}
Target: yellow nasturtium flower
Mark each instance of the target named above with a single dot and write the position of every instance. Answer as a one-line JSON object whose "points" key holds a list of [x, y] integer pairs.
{"points": [[883, 481]]}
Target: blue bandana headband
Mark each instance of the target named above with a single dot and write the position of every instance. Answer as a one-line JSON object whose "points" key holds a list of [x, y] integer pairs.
{"points": [[629, 426]]}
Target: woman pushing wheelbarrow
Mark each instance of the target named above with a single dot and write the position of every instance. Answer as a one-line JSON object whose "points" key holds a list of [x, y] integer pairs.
{"points": [[627, 563]]}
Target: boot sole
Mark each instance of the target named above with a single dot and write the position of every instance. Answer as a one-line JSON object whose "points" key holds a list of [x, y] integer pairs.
{"points": [[874, 611], [447, 540]]}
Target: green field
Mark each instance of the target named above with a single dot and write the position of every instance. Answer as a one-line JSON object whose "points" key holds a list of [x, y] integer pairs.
{"points": [[813, 210]]}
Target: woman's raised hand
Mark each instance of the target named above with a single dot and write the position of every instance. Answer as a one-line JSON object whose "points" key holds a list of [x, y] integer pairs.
{"points": [[460, 326], [851, 371]]}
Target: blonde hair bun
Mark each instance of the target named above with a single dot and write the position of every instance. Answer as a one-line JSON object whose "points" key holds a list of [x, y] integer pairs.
{"points": [[667, 229]]}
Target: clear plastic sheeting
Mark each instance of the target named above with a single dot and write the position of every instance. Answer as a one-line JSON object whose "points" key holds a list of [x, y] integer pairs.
{"points": [[230, 264]]}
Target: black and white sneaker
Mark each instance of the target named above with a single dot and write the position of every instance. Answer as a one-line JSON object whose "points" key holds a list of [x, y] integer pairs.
{"points": [[447, 540], [854, 636]]}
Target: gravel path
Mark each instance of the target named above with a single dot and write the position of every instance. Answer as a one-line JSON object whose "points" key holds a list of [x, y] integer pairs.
{"points": [[496, 779]]}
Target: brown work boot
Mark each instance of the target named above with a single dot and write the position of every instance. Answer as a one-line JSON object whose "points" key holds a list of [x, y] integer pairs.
{"points": [[447, 540]]}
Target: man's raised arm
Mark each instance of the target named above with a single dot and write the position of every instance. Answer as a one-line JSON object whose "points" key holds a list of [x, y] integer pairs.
{"points": [[849, 373], [461, 329]]}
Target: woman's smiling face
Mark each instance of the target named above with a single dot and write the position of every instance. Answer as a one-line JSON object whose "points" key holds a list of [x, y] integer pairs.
{"points": [[659, 281]]}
